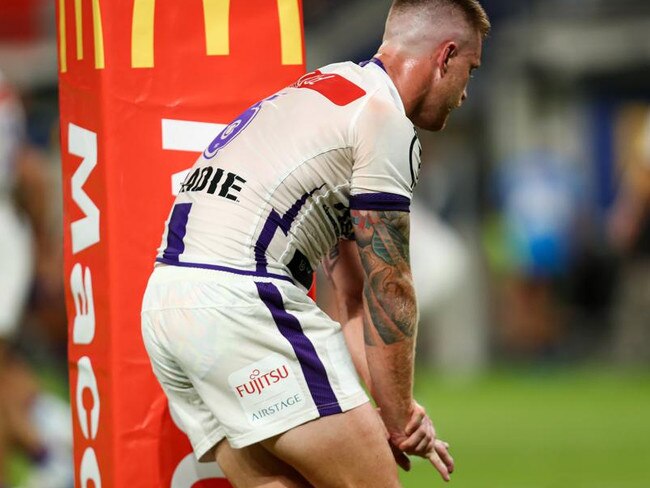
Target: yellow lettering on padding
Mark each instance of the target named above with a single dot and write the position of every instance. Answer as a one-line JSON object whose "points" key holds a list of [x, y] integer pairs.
{"points": [[98, 35], [79, 29], [63, 49], [216, 16], [290, 31], [142, 34]]}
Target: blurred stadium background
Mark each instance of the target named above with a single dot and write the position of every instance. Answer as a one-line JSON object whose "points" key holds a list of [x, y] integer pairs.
{"points": [[531, 239]]}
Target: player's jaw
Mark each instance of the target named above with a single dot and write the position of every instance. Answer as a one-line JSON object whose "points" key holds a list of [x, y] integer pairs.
{"points": [[436, 96], [430, 117], [425, 104], [434, 108]]}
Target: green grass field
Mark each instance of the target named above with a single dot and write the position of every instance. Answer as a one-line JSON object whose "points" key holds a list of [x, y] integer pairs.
{"points": [[553, 428]]}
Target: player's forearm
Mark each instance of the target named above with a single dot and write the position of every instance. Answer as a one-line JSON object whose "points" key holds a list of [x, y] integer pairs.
{"points": [[390, 311], [353, 333], [390, 325], [342, 267]]}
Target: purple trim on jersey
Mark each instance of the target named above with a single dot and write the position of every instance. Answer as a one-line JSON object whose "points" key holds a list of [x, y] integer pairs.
{"points": [[311, 365], [380, 201], [226, 269], [176, 231], [373, 61], [272, 224]]}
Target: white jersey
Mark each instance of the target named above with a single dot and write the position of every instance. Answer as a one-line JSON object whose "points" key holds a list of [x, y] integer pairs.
{"points": [[272, 193]]}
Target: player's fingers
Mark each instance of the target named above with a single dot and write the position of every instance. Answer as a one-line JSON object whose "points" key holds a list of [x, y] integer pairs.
{"points": [[443, 451], [423, 447], [415, 422], [440, 444], [414, 439], [401, 459], [434, 458]]}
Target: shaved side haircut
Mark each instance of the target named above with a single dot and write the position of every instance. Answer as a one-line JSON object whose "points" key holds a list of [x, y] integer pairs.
{"points": [[471, 9]]}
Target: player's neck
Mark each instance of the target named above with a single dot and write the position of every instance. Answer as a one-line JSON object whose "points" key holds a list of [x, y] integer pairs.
{"points": [[404, 73]]}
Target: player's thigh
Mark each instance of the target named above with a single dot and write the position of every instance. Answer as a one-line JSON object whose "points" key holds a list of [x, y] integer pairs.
{"points": [[343, 450], [255, 467]]}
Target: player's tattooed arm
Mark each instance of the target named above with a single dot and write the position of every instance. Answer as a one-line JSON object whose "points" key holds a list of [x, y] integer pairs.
{"points": [[389, 297], [390, 313]]}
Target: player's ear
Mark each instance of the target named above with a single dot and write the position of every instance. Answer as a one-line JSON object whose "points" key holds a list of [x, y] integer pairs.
{"points": [[449, 50]]}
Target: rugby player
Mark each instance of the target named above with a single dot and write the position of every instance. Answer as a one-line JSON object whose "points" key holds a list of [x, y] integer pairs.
{"points": [[259, 377]]}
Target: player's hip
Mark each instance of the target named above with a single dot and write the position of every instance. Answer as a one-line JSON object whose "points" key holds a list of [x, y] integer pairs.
{"points": [[269, 361], [203, 314], [194, 286]]}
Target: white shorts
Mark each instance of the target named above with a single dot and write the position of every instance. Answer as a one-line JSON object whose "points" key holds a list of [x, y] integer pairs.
{"points": [[242, 357], [16, 262]]}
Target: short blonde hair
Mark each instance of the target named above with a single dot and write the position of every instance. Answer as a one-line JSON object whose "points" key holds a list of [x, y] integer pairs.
{"points": [[471, 10]]}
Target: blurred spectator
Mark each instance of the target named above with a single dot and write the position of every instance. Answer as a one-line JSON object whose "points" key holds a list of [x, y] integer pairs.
{"points": [[540, 202], [24, 253], [629, 233], [453, 332]]}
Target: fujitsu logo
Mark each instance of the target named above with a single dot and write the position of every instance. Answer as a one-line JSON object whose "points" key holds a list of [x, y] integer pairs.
{"points": [[258, 381]]}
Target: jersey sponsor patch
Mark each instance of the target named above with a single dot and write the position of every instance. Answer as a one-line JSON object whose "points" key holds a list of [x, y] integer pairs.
{"points": [[335, 88], [267, 390]]}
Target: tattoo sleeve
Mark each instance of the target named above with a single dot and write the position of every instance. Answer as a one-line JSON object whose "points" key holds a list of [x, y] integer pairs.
{"points": [[390, 306]]}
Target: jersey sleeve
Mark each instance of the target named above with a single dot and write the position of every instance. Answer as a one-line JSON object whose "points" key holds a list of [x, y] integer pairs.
{"points": [[386, 154]]}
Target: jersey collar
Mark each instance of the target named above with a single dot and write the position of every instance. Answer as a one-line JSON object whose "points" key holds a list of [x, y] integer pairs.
{"points": [[391, 86], [376, 61]]}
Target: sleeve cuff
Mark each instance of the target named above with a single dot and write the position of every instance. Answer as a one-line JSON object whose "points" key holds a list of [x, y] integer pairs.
{"points": [[380, 201]]}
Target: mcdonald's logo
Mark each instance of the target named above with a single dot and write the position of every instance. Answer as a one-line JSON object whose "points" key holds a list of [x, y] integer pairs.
{"points": [[216, 18], [98, 34], [216, 21]]}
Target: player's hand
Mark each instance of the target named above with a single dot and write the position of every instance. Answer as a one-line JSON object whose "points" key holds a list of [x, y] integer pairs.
{"points": [[420, 440], [401, 459], [439, 456]]}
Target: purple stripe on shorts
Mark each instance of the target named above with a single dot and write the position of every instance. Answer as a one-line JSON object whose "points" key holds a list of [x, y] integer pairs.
{"points": [[226, 269], [380, 201], [176, 231], [311, 365]]}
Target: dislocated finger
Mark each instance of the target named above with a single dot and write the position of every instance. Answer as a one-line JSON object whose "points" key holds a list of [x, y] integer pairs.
{"points": [[434, 458], [442, 451]]}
